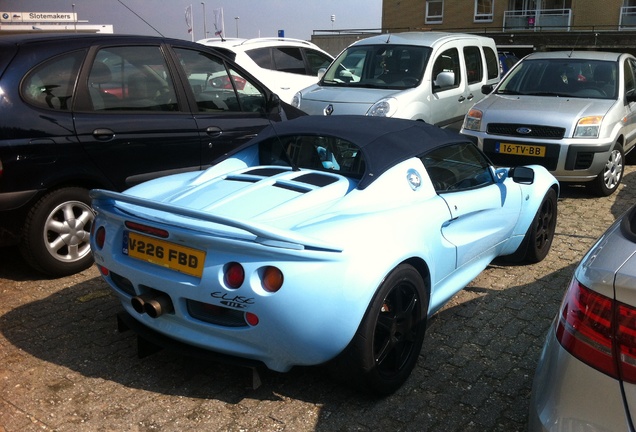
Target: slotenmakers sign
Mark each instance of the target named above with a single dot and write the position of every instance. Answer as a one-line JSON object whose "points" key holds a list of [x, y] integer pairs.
{"points": [[37, 17]]}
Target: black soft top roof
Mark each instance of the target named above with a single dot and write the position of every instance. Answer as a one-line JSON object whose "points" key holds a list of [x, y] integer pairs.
{"points": [[384, 142]]}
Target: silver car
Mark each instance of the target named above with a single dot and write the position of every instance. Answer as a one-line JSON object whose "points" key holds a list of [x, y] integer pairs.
{"points": [[586, 377], [572, 112]]}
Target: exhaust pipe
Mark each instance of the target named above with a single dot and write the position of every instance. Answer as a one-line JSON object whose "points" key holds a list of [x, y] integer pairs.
{"points": [[158, 305], [139, 301]]}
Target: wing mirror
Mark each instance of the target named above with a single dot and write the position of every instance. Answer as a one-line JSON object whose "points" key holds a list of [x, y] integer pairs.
{"points": [[487, 89], [522, 175]]}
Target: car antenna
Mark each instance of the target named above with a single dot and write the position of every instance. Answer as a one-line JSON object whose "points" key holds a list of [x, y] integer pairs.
{"points": [[139, 16], [388, 39]]}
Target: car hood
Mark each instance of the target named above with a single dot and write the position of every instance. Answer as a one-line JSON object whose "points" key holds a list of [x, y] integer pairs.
{"points": [[345, 100], [541, 110]]}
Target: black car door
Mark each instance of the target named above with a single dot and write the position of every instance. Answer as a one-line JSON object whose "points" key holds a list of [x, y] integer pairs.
{"points": [[230, 107], [132, 117]]}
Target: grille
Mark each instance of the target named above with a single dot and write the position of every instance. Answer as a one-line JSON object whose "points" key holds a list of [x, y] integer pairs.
{"points": [[535, 131]]}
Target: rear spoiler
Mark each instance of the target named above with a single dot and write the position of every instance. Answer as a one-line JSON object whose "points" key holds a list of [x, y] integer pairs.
{"points": [[267, 236]]}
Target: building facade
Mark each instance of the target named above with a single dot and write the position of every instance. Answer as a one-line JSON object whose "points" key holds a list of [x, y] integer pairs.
{"points": [[522, 24]]}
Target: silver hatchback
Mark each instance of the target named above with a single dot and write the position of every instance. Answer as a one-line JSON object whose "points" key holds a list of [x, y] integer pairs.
{"points": [[586, 376], [572, 112]]}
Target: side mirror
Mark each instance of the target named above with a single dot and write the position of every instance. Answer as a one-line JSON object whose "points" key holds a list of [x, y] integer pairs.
{"points": [[273, 103], [487, 89], [522, 175], [630, 96], [445, 79], [321, 73]]}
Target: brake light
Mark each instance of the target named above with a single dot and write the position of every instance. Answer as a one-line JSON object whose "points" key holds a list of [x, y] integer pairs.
{"points": [[234, 275], [598, 331], [146, 229]]}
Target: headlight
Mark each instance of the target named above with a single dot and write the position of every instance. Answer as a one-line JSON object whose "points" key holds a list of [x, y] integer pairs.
{"points": [[295, 102], [473, 119], [383, 108], [588, 127]]}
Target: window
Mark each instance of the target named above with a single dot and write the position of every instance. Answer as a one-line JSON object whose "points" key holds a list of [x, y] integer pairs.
{"points": [[316, 61], [323, 153], [434, 11], [446, 71], [491, 63], [262, 57], [131, 79], [630, 85], [457, 167], [474, 65], [216, 88], [483, 10], [289, 59], [51, 84]]}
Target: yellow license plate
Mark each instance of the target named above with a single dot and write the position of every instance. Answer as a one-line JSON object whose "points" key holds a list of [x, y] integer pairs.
{"points": [[166, 254], [520, 149]]}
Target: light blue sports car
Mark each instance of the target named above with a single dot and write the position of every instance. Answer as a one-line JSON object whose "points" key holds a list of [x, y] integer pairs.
{"points": [[323, 240]]}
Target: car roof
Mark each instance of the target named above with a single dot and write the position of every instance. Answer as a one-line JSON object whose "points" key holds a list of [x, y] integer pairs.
{"points": [[576, 55], [384, 141], [417, 38], [245, 44], [44, 37]]}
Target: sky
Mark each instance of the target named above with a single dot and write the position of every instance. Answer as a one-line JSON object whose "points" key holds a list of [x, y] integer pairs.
{"points": [[256, 18]]}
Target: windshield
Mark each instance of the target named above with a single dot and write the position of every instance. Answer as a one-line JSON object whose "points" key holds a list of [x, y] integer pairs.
{"points": [[378, 66], [323, 153], [562, 77]]}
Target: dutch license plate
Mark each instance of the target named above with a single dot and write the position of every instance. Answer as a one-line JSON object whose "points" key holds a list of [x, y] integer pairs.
{"points": [[520, 149], [166, 254]]}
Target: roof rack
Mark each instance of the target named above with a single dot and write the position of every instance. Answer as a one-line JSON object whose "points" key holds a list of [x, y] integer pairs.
{"points": [[266, 39]]}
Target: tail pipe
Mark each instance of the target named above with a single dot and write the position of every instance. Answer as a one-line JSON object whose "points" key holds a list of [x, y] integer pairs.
{"points": [[154, 304]]}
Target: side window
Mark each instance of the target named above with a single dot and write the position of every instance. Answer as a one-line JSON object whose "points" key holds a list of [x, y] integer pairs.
{"points": [[289, 59], [262, 57], [133, 78], [474, 65], [51, 84], [217, 88], [457, 167], [492, 65], [446, 72], [316, 61], [629, 77]]}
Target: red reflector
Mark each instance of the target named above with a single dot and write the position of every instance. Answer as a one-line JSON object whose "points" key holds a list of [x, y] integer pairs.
{"points": [[100, 237], [251, 319], [234, 275], [146, 229], [103, 270], [584, 327]]}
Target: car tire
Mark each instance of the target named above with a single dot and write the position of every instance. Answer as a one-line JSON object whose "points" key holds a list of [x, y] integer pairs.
{"points": [[538, 239], [387, 345], [610, 177], [55, 239]]}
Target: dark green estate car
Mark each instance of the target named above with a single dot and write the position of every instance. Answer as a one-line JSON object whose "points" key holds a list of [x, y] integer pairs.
{"points": [[79, 112]]}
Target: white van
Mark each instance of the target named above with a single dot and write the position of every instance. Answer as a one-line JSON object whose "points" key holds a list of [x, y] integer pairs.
{"points": [[430, 76]]}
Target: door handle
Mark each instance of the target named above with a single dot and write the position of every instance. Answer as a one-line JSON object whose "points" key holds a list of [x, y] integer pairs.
{"points": [[461, 99], [214, 132], [470, 96], [103, 134]]}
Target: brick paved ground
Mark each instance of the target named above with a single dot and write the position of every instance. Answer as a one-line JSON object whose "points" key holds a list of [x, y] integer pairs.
{"points": [[64, 366]]}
